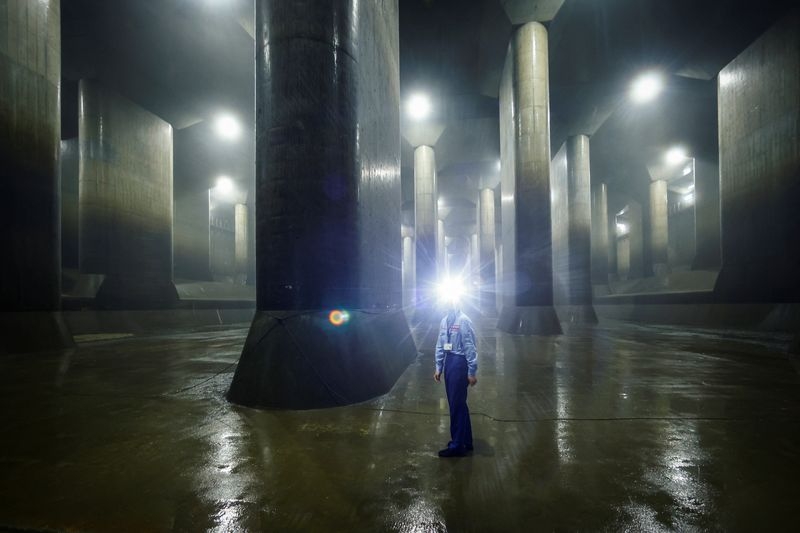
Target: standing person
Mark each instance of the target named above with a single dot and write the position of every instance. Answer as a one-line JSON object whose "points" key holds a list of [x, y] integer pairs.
{"points": [[457, 356]]}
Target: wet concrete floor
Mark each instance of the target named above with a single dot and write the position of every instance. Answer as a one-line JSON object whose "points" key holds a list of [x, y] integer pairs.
{"points": [[616, 428]]}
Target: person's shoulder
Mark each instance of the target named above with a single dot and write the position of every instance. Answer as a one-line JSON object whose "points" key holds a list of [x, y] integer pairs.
{"points": [[466, 319]]}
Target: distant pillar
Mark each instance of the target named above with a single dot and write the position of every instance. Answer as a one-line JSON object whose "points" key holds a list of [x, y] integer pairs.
{"points": [[659, 227], [329, 328], [126, 208], [441, 250], [192, 234], [635, 241], [613, 235], [486, 227], [426, 219], [474, 257], [525, 153], [706, 208], [30, 133], [409, 267], [600, 241], [240, 241], [579, 209]]}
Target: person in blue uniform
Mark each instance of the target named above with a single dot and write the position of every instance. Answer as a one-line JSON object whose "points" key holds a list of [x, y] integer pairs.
{"points": [[457, 358]]}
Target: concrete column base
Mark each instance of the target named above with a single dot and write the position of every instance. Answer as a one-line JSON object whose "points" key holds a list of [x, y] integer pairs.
{"points": [[540, 320], [300, 360], [128, 293], [28, 332], [577, 314]]}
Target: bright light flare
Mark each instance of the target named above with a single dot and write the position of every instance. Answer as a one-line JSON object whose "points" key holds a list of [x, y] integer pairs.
{"points": [[647, 87], [418, 107], [450, 290], [227, 127], [675, 155], [338, 317], [622, 229], [224, 186]]}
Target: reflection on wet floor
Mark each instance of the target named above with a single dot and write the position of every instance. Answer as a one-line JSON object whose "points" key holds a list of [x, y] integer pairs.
{"points": [[619, 427]]}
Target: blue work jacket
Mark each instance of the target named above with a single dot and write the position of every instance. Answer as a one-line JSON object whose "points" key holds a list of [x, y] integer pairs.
{"points": [[462, 337]]}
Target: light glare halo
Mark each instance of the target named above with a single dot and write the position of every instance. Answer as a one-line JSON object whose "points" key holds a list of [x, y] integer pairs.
{"points": [[419, 106], [646, 87], [228, 127]]}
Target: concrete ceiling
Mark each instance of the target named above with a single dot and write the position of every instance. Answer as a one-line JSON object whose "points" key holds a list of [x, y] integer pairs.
{"points": [[187, 60]]}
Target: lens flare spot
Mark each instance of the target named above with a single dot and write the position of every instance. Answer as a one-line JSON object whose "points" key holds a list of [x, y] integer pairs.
{"points": [[338, 317]]}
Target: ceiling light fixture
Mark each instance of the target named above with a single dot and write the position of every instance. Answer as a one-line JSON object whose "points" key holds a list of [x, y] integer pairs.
{"points": [[646, 87]]}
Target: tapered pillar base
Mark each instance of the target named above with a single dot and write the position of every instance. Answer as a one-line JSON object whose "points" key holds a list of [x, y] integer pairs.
{"points": [[28, 332], [300, 360], [578, 314], [539, 320]]}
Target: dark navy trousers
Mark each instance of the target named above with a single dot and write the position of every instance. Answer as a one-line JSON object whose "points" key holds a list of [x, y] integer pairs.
{"points": [[455, 379]]}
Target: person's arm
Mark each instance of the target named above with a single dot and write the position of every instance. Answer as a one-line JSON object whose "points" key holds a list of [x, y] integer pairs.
{"points": [[470, 350], [440, 351]]}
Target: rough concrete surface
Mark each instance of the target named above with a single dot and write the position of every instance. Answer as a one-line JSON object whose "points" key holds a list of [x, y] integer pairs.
{"points": [[615, 428]]}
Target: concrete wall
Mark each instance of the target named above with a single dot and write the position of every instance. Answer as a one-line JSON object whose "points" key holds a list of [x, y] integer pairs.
{"points": [[126, 208], [30, 129], [759, 127]]}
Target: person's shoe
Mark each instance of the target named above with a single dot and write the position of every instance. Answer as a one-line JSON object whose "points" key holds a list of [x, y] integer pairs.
{"points": [[469, 447], [452, 452]]}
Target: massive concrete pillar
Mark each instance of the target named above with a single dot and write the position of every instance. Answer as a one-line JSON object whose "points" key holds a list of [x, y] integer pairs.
{"points": [[125, 196], [329, 328], [486, 262], [30, 132], [759, 125], [659, 227], [426, 229], [409, 267], [525, 155], [240, 241], [600, 242], [572, 220], [580, 309]]}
